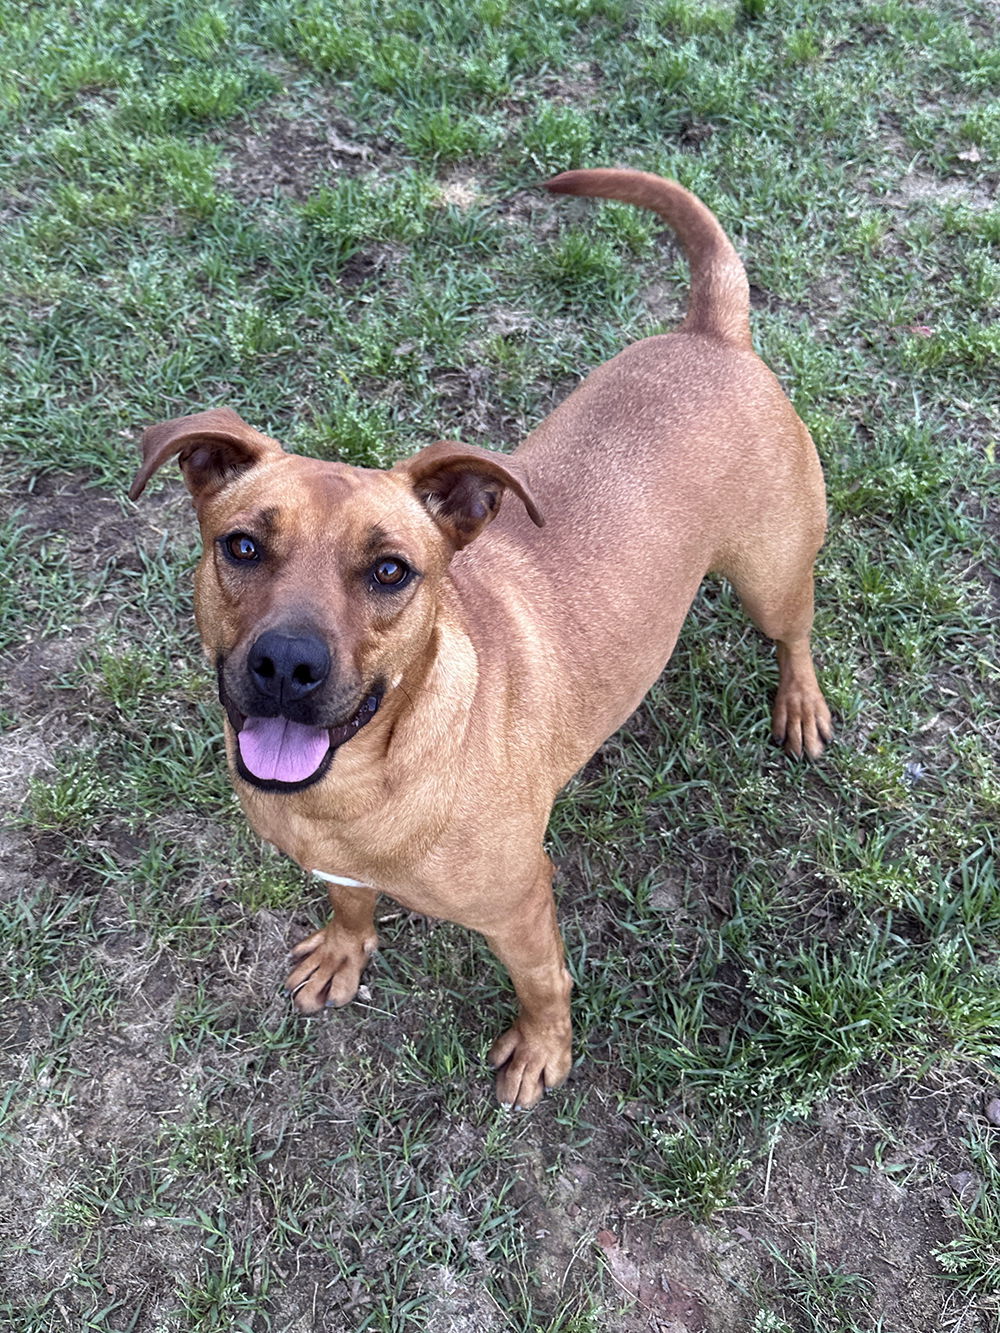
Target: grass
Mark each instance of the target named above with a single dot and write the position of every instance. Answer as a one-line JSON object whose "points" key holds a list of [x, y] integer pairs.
{"points": [[786, 977]]}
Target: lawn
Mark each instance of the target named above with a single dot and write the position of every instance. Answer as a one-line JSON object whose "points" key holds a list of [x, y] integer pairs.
{"points": [[785, 1115]]}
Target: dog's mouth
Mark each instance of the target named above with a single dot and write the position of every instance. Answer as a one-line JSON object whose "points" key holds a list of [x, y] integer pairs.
{"points": [[277, 754]]}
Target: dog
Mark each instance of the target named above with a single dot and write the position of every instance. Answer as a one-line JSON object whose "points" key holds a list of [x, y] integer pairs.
{"points": [[412, 662]]}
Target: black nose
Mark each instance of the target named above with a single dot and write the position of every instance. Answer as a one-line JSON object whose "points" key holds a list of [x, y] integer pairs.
{"points": [[285, 667]]}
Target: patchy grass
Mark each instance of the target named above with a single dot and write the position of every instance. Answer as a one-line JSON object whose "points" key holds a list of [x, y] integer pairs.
{"points": [[785, 1115]]}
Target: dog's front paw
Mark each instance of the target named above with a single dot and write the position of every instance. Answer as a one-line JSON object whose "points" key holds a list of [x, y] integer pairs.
{"points": [[529, 1064], [801, 721], [330, 964]]}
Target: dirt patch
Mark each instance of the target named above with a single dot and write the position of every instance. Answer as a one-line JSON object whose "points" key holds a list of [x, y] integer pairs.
{"points": [[64, 503], [292, 157], [99, 531], [920, 187], [665, 303], [581, 86], [23, 753], [833, 1202], [87, 541], [468, 410]]}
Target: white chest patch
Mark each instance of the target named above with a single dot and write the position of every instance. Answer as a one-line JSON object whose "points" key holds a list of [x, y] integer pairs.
{"points": [[347, 882]]}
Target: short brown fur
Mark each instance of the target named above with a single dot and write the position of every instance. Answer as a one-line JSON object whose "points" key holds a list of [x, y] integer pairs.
{"points": [[509, 659]]}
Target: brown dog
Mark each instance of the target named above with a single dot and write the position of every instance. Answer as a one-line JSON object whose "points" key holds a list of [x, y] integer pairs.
{"points": [[403, 703]]}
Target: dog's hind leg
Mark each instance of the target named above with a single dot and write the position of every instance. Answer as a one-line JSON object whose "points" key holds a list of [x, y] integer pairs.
{"points": [[774, 582]]}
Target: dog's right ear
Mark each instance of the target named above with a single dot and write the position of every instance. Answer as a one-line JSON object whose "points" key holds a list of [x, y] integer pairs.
{"points": [[213, 447]]}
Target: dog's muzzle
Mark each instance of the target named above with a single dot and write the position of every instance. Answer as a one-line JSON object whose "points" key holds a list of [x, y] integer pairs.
{"points": [[279, 753]]}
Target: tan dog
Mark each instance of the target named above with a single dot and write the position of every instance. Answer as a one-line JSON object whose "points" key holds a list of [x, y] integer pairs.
{"points": [[403, 703]]}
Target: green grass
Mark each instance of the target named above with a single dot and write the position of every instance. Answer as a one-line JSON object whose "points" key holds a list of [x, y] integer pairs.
{"points": [[971, 1259], [786, 977]]}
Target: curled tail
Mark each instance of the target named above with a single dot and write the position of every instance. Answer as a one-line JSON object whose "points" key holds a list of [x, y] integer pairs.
{"points": [[719, 303]]}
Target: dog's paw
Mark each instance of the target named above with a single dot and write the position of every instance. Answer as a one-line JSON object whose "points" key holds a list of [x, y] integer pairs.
{"points": [[329, 968], [529, 1065], [801, 721]]}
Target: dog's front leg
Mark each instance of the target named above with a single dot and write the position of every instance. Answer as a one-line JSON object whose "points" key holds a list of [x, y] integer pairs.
{"points": [[329, 964], [535, 1054]]}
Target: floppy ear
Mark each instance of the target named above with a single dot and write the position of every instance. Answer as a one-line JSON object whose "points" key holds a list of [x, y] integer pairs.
{"points": [[461, 487], [213, 446]]}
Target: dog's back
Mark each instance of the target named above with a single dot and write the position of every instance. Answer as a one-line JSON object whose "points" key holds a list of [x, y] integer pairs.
{"points": [[672, 460]]}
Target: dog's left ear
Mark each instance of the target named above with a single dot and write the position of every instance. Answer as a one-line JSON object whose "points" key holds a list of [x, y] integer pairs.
{"points": [[213, 447], [461, 487]]}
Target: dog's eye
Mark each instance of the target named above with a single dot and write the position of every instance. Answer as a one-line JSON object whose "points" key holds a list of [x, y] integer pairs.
{"points": [[239, 546], [391, 573]]}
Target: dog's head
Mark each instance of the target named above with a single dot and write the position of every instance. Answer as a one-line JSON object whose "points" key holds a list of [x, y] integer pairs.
{"points": [[318, 582]]}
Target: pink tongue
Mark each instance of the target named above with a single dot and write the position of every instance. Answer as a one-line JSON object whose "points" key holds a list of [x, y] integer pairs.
{"points": [[276, 750]]}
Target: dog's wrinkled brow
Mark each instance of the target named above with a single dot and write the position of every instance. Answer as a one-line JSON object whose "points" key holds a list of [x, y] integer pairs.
{"points": [[378, 541], [268, 518]]}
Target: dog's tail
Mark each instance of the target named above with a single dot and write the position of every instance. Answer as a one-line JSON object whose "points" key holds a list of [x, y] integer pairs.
{"points": [[719, 303]]}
